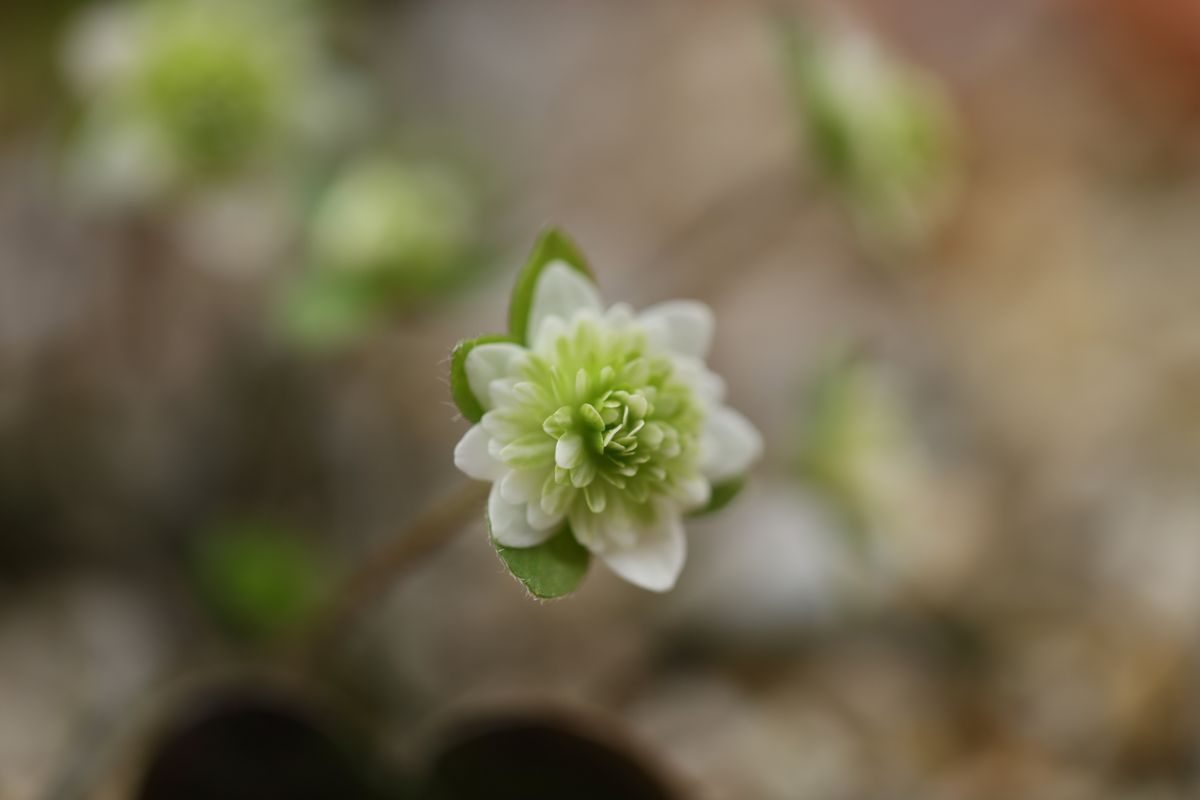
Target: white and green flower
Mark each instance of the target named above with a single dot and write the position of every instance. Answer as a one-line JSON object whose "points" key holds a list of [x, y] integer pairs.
{"points": [[599, 428]]}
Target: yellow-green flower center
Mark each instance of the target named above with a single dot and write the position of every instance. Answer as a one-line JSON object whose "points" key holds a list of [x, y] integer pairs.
{"points": [[602, 416]]}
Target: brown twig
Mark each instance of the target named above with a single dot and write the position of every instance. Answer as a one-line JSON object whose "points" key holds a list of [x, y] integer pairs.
{"points": [[432, 529]]}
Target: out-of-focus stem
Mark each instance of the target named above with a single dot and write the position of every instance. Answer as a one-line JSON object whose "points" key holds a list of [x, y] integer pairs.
{"points": [[431, 530]]}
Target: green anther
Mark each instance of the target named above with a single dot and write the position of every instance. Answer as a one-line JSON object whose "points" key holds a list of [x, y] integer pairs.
{"points": [[596, 498], [558, 423], [591, 417], [592, 406]]}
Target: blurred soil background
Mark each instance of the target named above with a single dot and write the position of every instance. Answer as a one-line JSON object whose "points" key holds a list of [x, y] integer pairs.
{"points": [[995, 598]]}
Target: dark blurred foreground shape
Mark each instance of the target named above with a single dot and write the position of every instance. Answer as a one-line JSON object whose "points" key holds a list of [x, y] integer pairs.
{"points": [[252, 742], [249, 745], [532, 758]]}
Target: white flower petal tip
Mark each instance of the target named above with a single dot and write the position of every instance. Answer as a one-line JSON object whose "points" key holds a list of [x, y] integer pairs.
{"points": [[730, 446], [695, 492], [655, 560], [510, 524], [487, 363], [562, 292], [473, 457], [538, 519], [684, 327], [522, 486]]}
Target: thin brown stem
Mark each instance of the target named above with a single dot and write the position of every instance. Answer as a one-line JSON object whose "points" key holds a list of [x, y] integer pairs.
{"points": [[430, 531]]}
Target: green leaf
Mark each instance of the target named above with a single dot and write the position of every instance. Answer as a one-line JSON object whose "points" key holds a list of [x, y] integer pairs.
{"points": [[328, 310], [552, 245], [722, 495], [460, 387], [258, 579], [840, 420], [551, 569]]}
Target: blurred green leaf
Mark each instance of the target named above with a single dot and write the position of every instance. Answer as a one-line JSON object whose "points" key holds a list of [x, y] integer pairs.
{"points": [[851, 419], [831, 434], [552, 245], [551, 569], [328, 309], [259, 580]]}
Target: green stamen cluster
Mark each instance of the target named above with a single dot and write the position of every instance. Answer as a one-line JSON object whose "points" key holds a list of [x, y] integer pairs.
{"points": [[608, 422]]}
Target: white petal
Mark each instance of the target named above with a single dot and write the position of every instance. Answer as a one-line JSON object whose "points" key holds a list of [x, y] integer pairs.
{"points": [[568, 453], [655, 560], [619, 316], [501, 393], [523, 485], [730, 444], [539, 519], [600, 533], [560, 292], [708, 385], [548, 334], [473, 456], [694, 491], [502, 428], [680, 326], [509, 524], [489, 362]]}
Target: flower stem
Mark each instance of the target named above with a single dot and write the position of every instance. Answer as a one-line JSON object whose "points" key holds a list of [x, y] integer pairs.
{"points": [[432, 529]]}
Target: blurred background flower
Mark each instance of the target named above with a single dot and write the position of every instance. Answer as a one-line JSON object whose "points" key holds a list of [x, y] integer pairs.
{"points": [[385, 233], [412, 221], [904, 505], [179, 93], [880, 130]]}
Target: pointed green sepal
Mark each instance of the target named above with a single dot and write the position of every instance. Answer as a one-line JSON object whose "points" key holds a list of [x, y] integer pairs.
{"points": [[460, 387], [553, 245], [551, 569]]}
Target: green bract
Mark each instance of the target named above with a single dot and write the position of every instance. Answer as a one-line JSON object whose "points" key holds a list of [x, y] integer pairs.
{"points": [[553, 245], [599, 428], [548, 570]]}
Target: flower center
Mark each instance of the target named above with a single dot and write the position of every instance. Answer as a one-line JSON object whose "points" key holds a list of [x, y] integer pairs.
{"points": [[607, 421], [615, 430]]}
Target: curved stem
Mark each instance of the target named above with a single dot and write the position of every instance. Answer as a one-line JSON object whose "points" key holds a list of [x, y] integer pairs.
{"points": [[431, 530]]}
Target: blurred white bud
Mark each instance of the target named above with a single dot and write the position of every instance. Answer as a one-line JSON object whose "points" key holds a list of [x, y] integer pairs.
{"points": [[880, 130], [410, 220], [916, 518]]}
